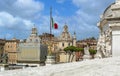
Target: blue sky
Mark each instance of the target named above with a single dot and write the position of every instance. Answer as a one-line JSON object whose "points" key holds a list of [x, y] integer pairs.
{"points": [[17, 17]]}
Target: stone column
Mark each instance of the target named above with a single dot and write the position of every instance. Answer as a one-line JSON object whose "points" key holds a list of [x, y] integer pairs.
{"points": [[115, 39]]}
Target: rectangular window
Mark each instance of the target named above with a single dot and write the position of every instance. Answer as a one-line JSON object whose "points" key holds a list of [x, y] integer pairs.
{"points": [[68, 44]]}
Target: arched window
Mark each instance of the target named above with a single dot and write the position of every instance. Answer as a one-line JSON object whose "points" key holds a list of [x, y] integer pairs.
{"points": [[62, 44]]}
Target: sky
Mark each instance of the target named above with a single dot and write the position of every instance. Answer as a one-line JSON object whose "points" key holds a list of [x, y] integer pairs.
{"points": [[17, 17]]}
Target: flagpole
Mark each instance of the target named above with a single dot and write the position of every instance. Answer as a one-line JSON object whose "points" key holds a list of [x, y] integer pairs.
{"points": [[50, 30], [50, 22], [50, 58]]}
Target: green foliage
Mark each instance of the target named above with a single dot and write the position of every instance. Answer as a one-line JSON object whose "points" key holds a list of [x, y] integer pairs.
{"points": [[93, 38], [70, 48], [73, 49], [92, 52], [79, 49], [66, 49]]}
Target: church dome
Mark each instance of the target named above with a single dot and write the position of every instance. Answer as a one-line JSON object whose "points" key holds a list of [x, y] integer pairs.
{"points": [[65, 34]]}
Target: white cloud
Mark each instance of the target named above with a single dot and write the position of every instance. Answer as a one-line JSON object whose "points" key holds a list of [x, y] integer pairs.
{"points": [[84, 20], [92, 7], [22, 8], [16, 16], [11, 22], [8, 35], [28, 7], [20, 13], [43, 25], [87, 15]]}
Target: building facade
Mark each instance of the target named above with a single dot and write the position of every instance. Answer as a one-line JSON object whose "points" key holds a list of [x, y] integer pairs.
{"points": [[59, 43], [63, 41], [10, 49], [32, 51], [90, 42], [45, 38], [109, 38], [66, 39], [2, 44]]}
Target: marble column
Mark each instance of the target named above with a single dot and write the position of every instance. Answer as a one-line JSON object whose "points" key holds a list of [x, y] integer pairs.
{"points": [[115, 39]]}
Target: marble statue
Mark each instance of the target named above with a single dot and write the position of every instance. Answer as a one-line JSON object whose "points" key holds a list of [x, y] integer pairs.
{"points": [[86, 55], [86, 51], [104, 44]]}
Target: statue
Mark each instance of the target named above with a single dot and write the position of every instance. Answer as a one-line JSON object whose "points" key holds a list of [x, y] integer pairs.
{"points": [[86, 51], [86, 55], [108, 43], [100, 46], [104, 44]]}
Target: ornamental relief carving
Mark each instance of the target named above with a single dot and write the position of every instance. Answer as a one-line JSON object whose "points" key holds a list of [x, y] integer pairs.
{"points": [[104, 43]]}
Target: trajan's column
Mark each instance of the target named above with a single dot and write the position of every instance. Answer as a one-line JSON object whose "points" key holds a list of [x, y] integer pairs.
{"points": [[109, 38]]}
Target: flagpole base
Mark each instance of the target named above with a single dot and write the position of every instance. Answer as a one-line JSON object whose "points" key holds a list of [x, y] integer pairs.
{"points": [[50, 60]]}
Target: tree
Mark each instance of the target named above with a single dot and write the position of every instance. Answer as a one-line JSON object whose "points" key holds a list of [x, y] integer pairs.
{"points": [[79, 52], [92, 52], [70, 50], [79, 49], [93, 38]]}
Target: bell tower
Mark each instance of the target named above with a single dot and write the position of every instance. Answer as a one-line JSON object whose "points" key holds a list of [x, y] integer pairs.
{"points": [[74, 39], [65, 28], [34, 30], [34, 38]]}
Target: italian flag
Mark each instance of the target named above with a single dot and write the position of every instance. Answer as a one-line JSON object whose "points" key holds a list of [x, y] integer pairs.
{"points": [[54, 25]]}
